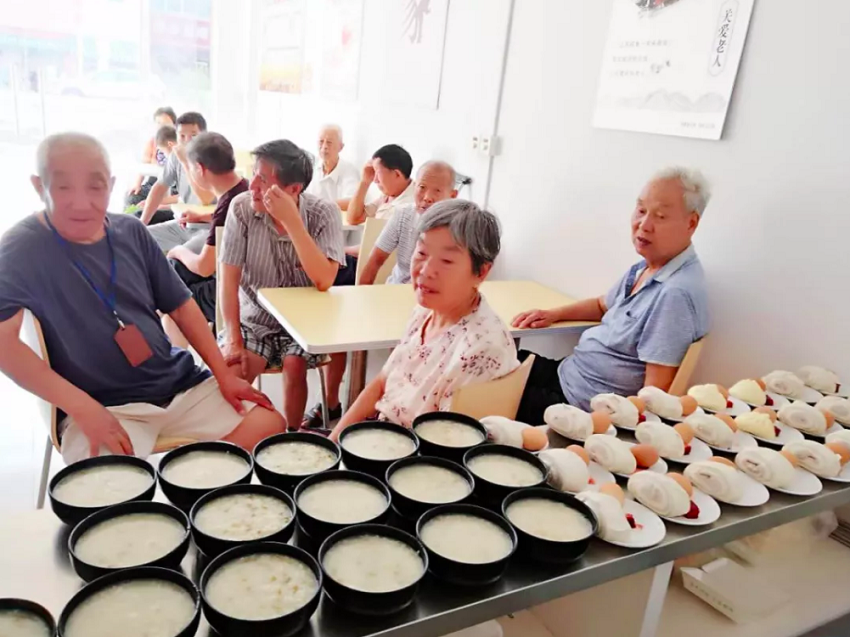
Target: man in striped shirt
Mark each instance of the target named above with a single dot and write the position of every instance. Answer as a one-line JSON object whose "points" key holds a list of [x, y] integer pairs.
{"points": [[276, 236]]}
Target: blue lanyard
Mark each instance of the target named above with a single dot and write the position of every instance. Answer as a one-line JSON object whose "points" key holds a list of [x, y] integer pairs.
{"points": [[108, 299]]}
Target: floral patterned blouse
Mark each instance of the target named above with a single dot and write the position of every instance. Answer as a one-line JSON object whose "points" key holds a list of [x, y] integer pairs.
{"points": [[422, 376]]}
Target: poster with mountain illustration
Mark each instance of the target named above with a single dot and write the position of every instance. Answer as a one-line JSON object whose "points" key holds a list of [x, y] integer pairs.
{"points": [[669, 66]]}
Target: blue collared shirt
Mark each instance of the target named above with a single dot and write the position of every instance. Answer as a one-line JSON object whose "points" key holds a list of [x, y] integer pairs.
{"points": [[654, 325]]}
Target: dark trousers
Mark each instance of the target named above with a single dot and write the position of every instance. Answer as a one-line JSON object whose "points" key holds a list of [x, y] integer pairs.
{"points": [[202, 288], [542, 390], [160, 216], [347, 275]]}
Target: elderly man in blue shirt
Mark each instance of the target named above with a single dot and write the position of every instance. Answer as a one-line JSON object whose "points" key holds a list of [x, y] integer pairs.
{"points": [[648, 320]]}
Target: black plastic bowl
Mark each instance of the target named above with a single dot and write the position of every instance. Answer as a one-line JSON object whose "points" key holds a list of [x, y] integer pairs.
{"points": [[490, 493], [368, 603], [463, 573], [185, 497], [171, 560], [288, 481], [552, 551], [282, 626], [408, 507], [318, 530], [428, 448], [71, 514], [212, 546], [376, 468], [31, 608], [130, 575]]}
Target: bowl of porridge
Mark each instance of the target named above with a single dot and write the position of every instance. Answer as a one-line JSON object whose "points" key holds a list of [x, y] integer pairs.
{"points": [[23, 618], [91, 485], [448, 435], [239, 514], [262, 589], [371, 447], [552, 526], [193, 470], [420, 483], [284, 460], [333, 500], [127, 536], [136, 602], [467, 545], [372, 569], [499, 470]]}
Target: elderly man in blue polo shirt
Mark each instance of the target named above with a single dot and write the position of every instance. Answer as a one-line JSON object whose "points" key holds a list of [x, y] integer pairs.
{"points": [[648, 320]]}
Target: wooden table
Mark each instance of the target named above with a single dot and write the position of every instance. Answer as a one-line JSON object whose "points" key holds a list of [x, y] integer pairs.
{"points": [[358, 319], [182, 208]]}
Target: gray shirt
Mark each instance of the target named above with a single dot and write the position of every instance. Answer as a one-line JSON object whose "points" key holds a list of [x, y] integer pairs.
{"points": [[400, 234], [268, 259], [174, 175], [37, 273]]}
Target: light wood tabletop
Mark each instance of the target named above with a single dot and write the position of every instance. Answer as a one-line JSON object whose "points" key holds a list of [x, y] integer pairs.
{"points": [[370, 317]]}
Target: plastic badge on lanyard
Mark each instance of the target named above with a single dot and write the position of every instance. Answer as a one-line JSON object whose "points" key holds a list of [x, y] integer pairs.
{"points": [[128, 337]]}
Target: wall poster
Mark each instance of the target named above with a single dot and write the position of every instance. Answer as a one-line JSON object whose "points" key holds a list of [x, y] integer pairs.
{"points": [[342, 37]]}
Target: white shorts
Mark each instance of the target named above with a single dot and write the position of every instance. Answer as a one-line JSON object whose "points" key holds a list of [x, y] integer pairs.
{"points": [[200, 413]]}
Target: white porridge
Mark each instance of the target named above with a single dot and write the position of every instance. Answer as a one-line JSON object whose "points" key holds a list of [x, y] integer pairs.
{"points": [[430, 483], [373, 564], [102, 486], [549, 520], [262, 586], [505, 470], [130, 540], [139, 608], [243, 517], [449, 433], [466, 538], [205, 469], [296, 458], [21, 623], [378, 444], [342, 501]]}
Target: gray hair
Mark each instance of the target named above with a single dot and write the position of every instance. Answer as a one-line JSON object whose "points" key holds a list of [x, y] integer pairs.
{"points": [[51, 142], [694, 184], [438, 165], [335, 128], [474, 229]]}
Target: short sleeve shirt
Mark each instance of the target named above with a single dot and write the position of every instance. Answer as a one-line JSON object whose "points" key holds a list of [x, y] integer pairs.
{"points": [[174, 175], [381, 208], [655, 325], [220, 213], [268, 259], [422, 377], [37, 274], [340, 183], [400, 236]]}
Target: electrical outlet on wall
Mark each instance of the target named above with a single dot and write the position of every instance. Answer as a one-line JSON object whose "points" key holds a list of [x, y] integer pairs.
{"points": [[476, 142]]}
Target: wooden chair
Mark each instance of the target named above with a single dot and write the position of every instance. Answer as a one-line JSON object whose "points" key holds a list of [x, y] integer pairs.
{"points": [[682, 380], [371, 232], [500, 397], [32, 335]]}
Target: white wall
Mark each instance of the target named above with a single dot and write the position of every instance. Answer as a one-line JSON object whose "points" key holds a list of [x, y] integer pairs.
{"points": [[774, 239]]}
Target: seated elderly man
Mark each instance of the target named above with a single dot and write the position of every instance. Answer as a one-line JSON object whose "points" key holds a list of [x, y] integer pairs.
{"points": [[334, 179], [649, 318], [96, 281], [276, 236], [390, 168], [453, 338]]}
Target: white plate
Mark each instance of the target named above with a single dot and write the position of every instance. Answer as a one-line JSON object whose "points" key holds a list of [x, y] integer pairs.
{"points": [[842, 392], [755, 493], [804, 483], [844, 476], [709, 511], [835, 427], [742, 440], [810, 395], [738, 407], [600, 475], [612, 431], [786, 434], [648, 415], [658, 467], [699, 410], [699, 451], [778, 402], [652, 529]]}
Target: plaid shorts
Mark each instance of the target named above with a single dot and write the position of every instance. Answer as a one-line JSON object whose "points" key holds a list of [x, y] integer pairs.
{"points": [[275, 347]]}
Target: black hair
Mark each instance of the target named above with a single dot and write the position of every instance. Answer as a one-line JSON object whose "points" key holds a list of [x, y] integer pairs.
{"points": [[166, 110], [395, 157], [191, 118], [213, 152], [292, 165], [164, 135]]}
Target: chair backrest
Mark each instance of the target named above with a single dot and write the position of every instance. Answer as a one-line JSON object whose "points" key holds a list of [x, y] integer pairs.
{"points": [[244, 163], [500, 397], [371, 232], [32, 335], [682, 380], [219, 236]]}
